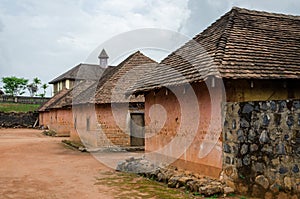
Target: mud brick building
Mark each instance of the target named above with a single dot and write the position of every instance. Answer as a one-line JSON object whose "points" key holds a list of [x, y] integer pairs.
{"points": [[80, 72], [57, 113], [103, 116], [244, 56]]}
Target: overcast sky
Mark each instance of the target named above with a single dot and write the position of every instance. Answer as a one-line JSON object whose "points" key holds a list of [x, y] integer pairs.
{"points": [[44, 38]]}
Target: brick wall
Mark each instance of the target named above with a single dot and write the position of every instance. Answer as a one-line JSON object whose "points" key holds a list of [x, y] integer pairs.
{"points": [[105, 128], [58, 120], [44, 118], [261, 149]]}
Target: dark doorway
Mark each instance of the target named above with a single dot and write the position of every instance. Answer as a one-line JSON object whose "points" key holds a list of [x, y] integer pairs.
{"points": [[137, 130]]}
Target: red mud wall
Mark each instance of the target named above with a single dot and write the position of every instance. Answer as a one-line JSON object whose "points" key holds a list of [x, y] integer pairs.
{"points": [[64, 121], [189, 123], [79, 131], [58, 120], [113, 122], [44, 118], [103, 129]]}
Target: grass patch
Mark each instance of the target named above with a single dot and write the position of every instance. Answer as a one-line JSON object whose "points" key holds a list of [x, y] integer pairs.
{"points": [[134, 186], [125, 185], [15, 107]]}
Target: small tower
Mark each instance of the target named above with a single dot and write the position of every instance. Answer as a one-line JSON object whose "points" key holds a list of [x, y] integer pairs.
{"points": [[103, 57]]}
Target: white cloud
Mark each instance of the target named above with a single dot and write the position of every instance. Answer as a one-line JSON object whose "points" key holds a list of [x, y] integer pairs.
{"points": [[45, 38]]}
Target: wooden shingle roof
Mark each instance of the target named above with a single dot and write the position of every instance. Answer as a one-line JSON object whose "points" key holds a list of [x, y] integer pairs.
{"points": [[64, 98], [115, 82], [46, 106], [242, 44], [67, 100], [81, 72]]}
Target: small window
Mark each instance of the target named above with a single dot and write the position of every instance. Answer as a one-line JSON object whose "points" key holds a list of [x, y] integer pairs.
{"points": [[75, 122], [88, 124]]}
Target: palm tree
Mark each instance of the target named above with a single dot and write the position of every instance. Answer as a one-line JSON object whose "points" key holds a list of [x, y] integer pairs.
{"points": [[37, 81], [44, 86]]}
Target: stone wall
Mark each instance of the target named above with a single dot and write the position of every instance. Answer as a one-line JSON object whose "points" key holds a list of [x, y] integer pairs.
{"points": [[13, 120], [261, 147]]}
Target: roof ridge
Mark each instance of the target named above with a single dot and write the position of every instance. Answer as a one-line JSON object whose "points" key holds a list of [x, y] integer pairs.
{"points": [[114, 71], [222, 41], [135, 59], [59, 96], [264, 13], [67, 91]]}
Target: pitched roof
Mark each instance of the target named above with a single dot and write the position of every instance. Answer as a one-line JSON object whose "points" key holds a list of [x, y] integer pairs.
{"points": [[115, 82], [67, 100], [81, 71], [241, 44], [103, 54], [55, 98], [64, 98]]}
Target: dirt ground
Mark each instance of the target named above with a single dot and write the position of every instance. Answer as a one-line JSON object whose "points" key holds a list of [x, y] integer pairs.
{"points": [[34, 166], [37, 166]]}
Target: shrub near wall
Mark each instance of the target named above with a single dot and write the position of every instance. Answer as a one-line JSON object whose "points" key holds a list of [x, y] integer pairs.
{"points": [[261, 148], [13, 120]]}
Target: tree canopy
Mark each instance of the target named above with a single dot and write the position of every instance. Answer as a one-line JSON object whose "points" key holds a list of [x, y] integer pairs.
{"points": [[33, 87], [14, 85]]}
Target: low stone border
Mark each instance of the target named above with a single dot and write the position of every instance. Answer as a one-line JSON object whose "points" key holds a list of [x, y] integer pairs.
{"points": [[74, 145], [49, 133], [175, 178], [53, 134]]}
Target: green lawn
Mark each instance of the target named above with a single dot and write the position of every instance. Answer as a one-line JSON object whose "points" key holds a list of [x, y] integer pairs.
{"points": [[14, 107]]}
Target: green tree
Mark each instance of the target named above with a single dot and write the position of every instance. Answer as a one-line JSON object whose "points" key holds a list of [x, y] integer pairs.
{"points": [[37, 81], [33, 87], [44, 87], [14, 85]]}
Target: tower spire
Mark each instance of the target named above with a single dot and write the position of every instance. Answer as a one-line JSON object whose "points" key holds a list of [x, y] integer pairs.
{"points": [[103, 58]]}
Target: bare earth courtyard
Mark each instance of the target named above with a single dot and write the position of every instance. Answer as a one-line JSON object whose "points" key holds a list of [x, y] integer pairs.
{"points": [[37, 166]]}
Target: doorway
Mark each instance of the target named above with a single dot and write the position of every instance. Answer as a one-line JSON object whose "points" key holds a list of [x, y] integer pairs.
{"points": [[137, 129]]}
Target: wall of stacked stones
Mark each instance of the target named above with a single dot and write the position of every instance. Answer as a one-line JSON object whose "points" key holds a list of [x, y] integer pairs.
{"points": [[261, 147], [15, 120]]}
